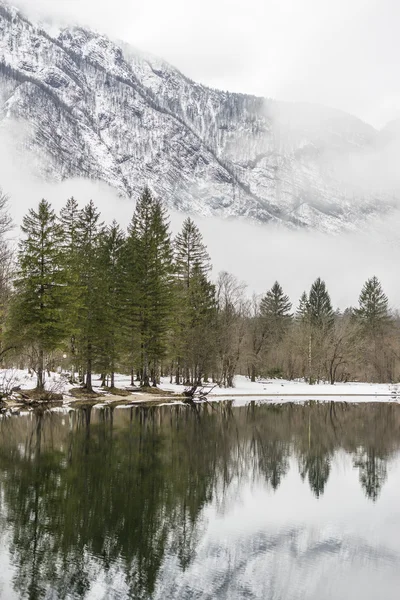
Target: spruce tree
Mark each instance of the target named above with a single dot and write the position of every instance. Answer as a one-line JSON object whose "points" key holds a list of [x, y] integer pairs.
{"points": [[150, 237], [320, 307], [321, 322], [373, 319], [38, 310], [130, 305], [272, 320], [192, 264], [111, 252], [303, 324], [276, 309], [201, 314], [190, 252], [373, 310], [69, 220], [303, 309], [90, 301]]}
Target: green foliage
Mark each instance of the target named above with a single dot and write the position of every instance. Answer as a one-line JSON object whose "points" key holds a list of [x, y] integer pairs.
{"points": [[190, 252], [90, 307], [195, 306], [111, 293], [69, 218], [152, 276], [303, 309], [276, 308], [319, 306], [37, 313], [373, 310], [143, 304]]}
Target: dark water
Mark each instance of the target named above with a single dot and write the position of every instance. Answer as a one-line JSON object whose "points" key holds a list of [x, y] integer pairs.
{"points": [[258, 502]]}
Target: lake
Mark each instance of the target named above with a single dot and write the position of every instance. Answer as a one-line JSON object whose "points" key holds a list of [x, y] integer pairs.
{"points": [[205, 502]]}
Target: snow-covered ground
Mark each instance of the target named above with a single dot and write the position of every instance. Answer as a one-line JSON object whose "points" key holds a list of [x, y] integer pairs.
{"points": [[272, 390]]}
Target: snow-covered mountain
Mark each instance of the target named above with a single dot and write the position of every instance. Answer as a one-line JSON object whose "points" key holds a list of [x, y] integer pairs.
{"points": [[97, 109]]}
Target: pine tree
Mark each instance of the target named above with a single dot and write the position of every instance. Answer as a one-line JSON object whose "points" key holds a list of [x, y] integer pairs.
{"points": [[69, 220], [151, 240], [130, 305], [201, 313], [373, 319], [38, 311], [89, 313], [303, 324], [276, 309], [192, 290], [190, 252], [373, 310], [321, 322], [111, 252], [303, 309], [271, 322], [320, 307]]}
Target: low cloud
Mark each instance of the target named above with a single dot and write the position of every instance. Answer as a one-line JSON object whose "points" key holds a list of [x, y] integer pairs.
{"points": [[256, 254]]}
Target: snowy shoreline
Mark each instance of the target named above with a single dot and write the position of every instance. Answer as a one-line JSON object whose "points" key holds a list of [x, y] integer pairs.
{"points": [[271, 391]]}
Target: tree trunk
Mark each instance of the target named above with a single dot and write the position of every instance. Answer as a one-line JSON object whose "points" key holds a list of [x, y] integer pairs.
{"points": [[40, 371], [88, 384], [178, 375], [112, 379]]}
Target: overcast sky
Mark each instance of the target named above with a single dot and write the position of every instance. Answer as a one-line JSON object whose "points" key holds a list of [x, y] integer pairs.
{"points": [[340, 53]]}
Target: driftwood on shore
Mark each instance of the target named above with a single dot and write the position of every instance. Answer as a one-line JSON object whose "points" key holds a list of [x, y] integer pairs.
{"points": [[198, 392]]}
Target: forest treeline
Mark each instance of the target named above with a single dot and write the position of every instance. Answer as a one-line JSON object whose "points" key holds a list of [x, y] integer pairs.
{"points": [[97, 299]]}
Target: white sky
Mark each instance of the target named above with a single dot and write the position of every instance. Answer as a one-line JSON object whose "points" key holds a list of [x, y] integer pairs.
{"points": [[340, 53]]}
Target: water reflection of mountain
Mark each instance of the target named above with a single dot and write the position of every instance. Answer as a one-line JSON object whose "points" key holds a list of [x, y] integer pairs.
{"points": [[118, 495]]}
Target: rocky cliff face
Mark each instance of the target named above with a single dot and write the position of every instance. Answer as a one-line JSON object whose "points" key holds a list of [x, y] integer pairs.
{"points": [[96, 109]]}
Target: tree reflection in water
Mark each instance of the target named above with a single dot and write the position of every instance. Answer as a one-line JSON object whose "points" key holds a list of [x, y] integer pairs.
{"points": [[118, 491]]}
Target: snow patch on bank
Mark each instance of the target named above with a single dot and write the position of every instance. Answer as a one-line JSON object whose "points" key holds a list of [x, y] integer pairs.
{"points": [[275, 391]]}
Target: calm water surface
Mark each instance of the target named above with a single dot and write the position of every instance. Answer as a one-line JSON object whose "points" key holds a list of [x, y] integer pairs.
{"points": [[212, 502]]}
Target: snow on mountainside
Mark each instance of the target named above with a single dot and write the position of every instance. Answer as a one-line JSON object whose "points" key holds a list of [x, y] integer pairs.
{"points": [[104, 111]]}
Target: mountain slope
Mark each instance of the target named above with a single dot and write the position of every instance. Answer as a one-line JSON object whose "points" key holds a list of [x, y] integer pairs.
{"points": [[96, 109]]}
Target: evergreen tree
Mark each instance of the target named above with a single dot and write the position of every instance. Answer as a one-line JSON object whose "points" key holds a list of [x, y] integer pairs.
{"points": [[321, 321], [276, 309], [190, 252], [303, 323], [320, 307], [195, 304], [130, 305], [90, 301], [111, 251], [373, 319], [39, 302], [69, 220], [373, 310], [303, 309], [201, 303], [270, 324], [151, 240]]}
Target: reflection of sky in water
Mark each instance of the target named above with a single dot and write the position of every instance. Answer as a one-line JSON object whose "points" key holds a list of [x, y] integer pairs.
{"points": [[253, 542], [291, 545]]}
